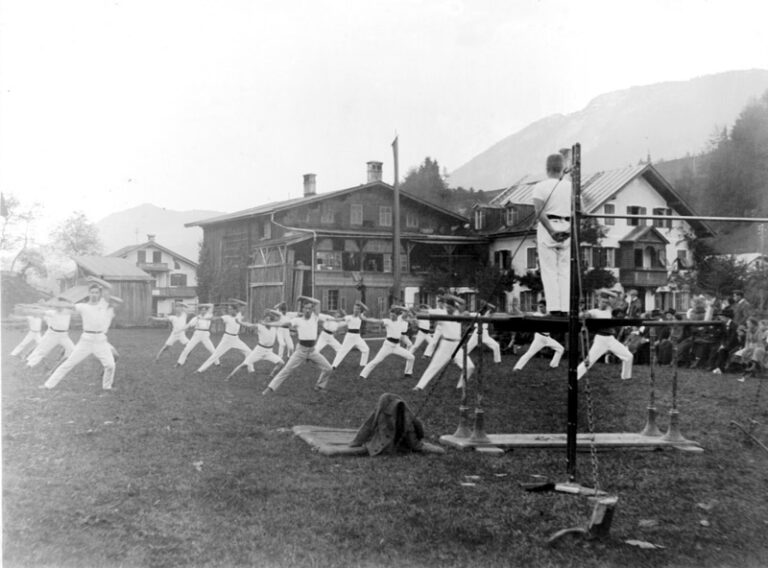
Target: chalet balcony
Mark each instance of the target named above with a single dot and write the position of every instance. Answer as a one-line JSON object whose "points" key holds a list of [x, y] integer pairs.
{"points": [[153, 266], [174, 292], [643, 277]]}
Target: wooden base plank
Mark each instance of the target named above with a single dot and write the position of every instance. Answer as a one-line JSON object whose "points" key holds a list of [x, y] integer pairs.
{"points": [[583, 441]]}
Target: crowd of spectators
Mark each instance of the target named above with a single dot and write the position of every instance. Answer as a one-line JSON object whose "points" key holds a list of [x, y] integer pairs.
{"points": [[739, 345]]}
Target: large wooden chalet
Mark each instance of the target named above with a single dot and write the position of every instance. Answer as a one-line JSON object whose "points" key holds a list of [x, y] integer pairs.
{"points": [[334, 246]]}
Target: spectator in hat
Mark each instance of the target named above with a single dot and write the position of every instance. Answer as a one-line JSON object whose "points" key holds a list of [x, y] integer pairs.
{"points": [[353, 338], [604, 340], [306, 326], [447, 349], [391, 345], [742, 309], [552, 205]]}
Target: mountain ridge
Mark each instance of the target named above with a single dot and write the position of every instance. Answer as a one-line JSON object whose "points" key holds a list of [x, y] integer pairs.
{"points": [[663, 120]]}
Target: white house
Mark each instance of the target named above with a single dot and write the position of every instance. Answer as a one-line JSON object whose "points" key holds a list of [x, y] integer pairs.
{"points": [[641, 253], [174, 276]]}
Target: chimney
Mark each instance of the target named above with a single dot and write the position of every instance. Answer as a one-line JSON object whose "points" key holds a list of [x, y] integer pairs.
{"points": [[374, 171], [151, 238], [309, 185]]}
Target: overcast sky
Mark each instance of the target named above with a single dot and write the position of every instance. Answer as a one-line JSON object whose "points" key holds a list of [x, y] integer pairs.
{"points": [[224, 104]]}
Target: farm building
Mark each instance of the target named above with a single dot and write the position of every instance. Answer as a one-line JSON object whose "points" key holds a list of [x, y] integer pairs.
{"points": [[336, 246], [128, 282]]}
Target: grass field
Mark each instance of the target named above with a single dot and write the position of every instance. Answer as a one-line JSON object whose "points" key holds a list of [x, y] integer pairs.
{"points": [[176, 469]]}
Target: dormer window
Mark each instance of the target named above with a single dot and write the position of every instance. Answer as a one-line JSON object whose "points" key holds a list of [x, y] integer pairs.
{"points": [[511, 217], [479, 219]]}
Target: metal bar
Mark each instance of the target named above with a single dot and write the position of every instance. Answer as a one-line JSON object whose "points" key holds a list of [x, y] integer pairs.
{"points": [[678, 217]]}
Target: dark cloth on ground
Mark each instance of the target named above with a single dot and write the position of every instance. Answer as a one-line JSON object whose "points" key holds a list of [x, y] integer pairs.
{"points": [[391, 427]]}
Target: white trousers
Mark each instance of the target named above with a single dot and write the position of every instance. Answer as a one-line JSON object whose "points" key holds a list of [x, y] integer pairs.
{"points": [[555, 266], [200, 336], [177, 337], [28, 338], [389, 348], [421, 337], [261, 353], [300, 355], [352, 341], [51, 340], [284, 342], [227, 342], [95, 344], [602, 344], [432, 343], [441, 358], [489, 342], [539, 342], [324, 340]]}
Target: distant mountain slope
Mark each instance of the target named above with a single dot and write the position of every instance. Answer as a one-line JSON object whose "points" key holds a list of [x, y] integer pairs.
{"points": [[666, 120], [131, 226]]}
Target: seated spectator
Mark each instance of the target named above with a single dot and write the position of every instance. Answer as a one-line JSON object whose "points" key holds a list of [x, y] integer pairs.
{"points": [[752, 355], [729, 342]]}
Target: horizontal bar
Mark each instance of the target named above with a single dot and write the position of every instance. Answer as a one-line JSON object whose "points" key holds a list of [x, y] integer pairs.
{"points": [[677, 217]]}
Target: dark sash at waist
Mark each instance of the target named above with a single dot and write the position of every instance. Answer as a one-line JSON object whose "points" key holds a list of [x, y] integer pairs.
{"points": [[89, 331], [307, 342], [393, 339], [421, 329], [353, 331], [267, 346], [235, 334], [64, 330], [327, 331]]}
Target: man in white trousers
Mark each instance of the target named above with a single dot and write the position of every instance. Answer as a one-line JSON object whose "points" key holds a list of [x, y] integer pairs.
{"points": [[93, 341], [604, 340], [423, 330], [434, 339], [353, 339], [488, 341], [231, 338], [552, 206], [450, 336], [264, 350], [285, 344], [540, 341], [57, 335], [391, 344], [326, 337], [201, 324], [178, 321], [306, 328], [32, 338]]}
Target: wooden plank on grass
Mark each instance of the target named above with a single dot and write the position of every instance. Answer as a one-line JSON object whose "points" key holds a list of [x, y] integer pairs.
{"points": [[583, 441]]}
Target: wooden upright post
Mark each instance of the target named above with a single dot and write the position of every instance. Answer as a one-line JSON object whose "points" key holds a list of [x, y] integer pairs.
{"points": [[396, 231], [573, 316]]}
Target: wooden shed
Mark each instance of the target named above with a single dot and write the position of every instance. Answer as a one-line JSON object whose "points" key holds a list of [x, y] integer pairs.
{"points": [[128, 281]]}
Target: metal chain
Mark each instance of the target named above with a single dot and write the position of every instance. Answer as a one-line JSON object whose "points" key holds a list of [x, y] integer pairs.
{"points": [[583, 344]]}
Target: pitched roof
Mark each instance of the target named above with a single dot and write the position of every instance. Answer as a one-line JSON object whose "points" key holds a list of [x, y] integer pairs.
{"points": [[597, 188], [286, 204], [125, 250], [644, 233], [111, 268]]}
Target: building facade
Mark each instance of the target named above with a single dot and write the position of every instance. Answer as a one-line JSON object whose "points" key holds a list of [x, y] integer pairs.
{"points": [[336, 246], [174, 277], [642, 254]]}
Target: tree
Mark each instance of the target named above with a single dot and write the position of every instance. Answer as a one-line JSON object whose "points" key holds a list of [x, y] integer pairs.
{"points": [[426, 182], [77, 236], [31, 260]]}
